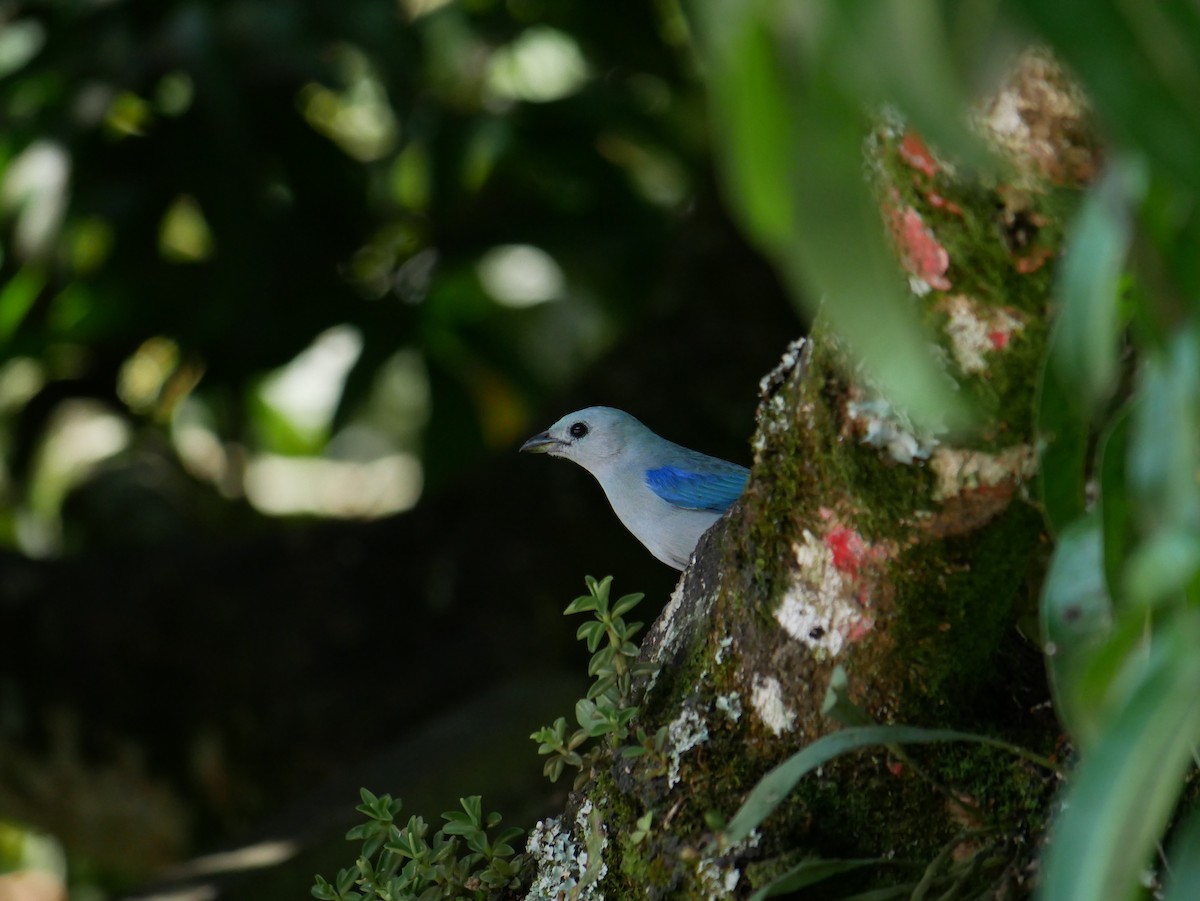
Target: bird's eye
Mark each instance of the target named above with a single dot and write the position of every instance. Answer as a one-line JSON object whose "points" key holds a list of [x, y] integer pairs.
{"points": [[578, 429]]}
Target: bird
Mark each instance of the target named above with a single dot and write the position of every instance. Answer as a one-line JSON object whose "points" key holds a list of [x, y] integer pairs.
{"points": [[665, 494]]}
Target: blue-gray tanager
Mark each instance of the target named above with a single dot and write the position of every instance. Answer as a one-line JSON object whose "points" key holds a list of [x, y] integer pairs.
{"points": [[666, 495]]}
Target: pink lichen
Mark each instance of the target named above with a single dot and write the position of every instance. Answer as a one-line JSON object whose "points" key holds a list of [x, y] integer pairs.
{"points": [[914, 151], [848, 549], [921, 253]]}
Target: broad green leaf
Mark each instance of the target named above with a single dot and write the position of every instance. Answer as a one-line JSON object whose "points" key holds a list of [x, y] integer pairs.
{"points": [[1121, 798], [1162, 567], [1113, 507], [1076, 618], [771, 790], [794, 170], [899, 52], [1183, 859], [1112, 670], [1164, 439], [810, 872], [1085, 343], [1062, 459], [750, 95]]}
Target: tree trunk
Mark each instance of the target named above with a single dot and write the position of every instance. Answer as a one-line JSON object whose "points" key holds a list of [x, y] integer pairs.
{"points": [[905, 561]]}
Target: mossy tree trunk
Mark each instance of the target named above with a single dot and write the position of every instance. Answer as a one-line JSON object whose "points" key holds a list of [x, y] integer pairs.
{"points": [[907, 560]]}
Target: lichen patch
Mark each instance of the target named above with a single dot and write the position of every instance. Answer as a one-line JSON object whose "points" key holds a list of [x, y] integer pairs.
{"points": [[563, 867], [958, 471], [975, 331], [766, 697], [924, 258], [825, 606], [685, 732], [874, 421]]}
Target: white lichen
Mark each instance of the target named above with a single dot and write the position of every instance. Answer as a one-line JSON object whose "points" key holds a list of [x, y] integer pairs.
{"points": [[882, 426], [722, 646], [562, 865], [664, 632], [960, 470], [819, 609], [766, 697], [975, 331], [773, 413], [715, 880], [685, 732], [730, 705]]}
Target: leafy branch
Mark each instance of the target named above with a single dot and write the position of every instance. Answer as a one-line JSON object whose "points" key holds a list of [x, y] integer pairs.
{"points": [[607, 709], [401, 864]]}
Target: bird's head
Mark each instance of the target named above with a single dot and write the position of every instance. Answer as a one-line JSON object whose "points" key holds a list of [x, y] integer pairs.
{"points": [[589, 437]]}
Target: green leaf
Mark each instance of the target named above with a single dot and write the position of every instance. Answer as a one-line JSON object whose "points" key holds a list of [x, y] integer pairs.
{"points": [[595, 599], [1076, 618], [582, 604], [1183, 858], [17, 298], [602, 660], [837, 704], [627, 603], [473, 807], [793, 170], [345, 880], [775, 785], [592, 631], [1113, 506], [1164, 440], [1085, 343], [1062, 432], [1162, 566], [810, 872], [1122, 796], [373, 843]]}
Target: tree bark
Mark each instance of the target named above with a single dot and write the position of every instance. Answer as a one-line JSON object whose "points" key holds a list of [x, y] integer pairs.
{"points": [[906, 560]]}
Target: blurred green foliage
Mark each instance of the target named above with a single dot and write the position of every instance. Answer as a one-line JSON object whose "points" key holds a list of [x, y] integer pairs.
{"points": [[474, 197]]}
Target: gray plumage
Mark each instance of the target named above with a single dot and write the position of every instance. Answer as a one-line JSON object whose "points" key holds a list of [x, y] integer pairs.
{"points": [[665, 494]]}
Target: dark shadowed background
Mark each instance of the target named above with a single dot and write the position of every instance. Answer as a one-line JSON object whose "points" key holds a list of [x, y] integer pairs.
{"points": [[282, 288]]}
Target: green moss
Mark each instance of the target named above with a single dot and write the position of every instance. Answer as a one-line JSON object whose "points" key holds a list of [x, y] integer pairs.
{"points": [[951, 635]]}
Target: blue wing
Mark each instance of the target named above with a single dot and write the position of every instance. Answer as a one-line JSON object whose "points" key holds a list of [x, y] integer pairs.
{"points": [[713, 489]]}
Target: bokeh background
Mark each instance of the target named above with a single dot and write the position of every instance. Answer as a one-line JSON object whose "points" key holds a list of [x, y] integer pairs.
{"points": [[282, 288]]}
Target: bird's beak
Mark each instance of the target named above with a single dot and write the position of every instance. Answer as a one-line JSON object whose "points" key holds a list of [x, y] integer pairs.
{"points": [[541, 444]]}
